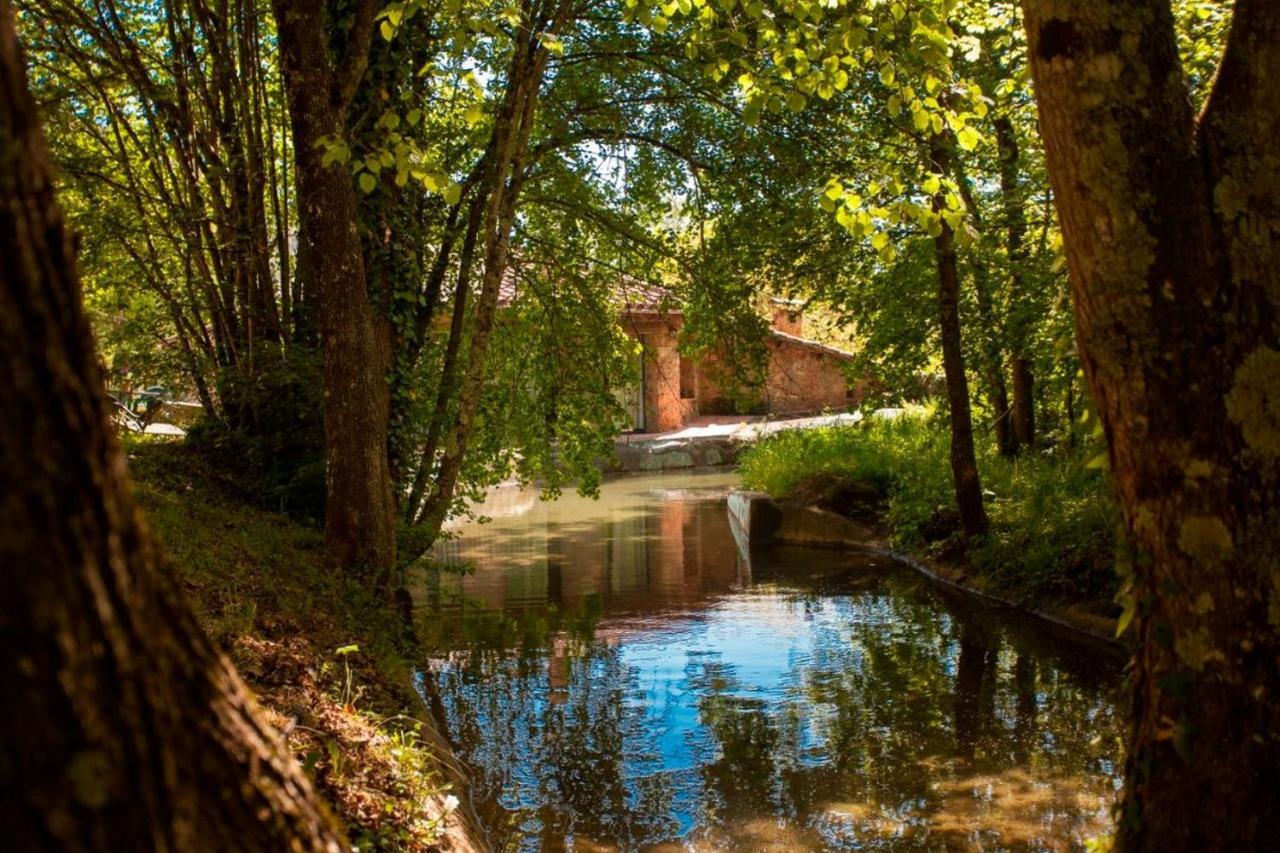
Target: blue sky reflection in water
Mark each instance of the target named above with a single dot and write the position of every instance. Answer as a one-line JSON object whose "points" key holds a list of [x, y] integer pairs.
{"points": [[620, 675]]}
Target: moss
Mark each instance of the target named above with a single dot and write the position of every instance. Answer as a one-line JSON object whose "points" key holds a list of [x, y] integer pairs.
{"points": [[1206, 539], [1253, 403], [1195, 649]]}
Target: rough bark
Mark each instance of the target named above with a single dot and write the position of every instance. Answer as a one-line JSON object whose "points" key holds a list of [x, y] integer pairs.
{"points": [[124, 728], [360, 507], [964, 464], [1172, 232]]}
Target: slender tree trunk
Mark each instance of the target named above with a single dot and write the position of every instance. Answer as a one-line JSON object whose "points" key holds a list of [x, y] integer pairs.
{"points": [[511, 139], [1015, 216], [992, 332], [360, 513], [449, 367], [124, 728], [964, 465], [1024, 403], [1171, 225], [997, 389]]}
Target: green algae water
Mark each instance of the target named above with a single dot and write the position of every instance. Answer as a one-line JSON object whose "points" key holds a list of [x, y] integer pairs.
{"points": [[622, 675]]}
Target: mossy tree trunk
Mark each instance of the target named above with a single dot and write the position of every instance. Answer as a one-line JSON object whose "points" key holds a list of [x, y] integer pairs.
{"points": [[1171, 224], [360, 505], [123, 726]]}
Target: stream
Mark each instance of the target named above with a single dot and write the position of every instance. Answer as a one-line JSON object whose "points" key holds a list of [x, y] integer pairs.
{"points": [[620, 674]]}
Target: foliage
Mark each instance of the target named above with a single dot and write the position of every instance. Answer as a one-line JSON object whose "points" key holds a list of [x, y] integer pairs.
{"points": [[274, 450], [1053, 519]]}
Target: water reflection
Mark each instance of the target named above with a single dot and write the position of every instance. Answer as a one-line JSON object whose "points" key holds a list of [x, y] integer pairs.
{"points": [[620, 676]]}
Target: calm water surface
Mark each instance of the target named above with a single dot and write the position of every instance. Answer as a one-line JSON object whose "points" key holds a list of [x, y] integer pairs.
{"points": [[620, 674]]}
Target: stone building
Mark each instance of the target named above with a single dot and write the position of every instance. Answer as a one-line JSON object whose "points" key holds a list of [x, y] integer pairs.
{"points": [[804, 376]]}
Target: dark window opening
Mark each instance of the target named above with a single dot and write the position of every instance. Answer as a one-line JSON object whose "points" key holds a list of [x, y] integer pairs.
{"points": [[687, 381]]}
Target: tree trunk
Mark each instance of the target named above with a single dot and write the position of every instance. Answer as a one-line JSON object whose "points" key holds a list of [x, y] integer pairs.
{"points": [[1015, 216], [1024, 403], [510, 146], [964, 465], [997, 388], [1002, 415], [360, 514], [992, 331], [1172, 232], [124, 728]]}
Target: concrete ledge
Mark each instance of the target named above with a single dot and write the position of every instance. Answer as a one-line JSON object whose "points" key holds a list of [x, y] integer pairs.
{"points": [[759, 520]]}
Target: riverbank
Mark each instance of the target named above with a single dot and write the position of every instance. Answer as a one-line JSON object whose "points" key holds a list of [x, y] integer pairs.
{"points": [[1051, 547], [329, 664]]}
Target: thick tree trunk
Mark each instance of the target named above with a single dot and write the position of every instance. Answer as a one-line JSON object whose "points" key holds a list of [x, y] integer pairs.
{"points": [[1172, 231], [360, 506], [123, 727], [964, 465]]}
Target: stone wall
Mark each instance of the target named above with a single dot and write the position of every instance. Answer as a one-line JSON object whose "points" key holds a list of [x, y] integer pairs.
{"points": [[805, 379]]}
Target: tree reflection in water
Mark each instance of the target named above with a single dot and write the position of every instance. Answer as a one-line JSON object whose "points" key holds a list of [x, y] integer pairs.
{"points": [[621, 678]]}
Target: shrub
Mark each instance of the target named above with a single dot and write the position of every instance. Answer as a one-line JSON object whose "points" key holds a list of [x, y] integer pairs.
{"points": [[271, 439], [1053, 519]]}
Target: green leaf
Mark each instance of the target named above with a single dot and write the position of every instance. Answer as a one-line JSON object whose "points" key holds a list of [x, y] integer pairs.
{"points": [[452, 193], [367, 182], [335, 152], [968, 138], [1130, 602]]}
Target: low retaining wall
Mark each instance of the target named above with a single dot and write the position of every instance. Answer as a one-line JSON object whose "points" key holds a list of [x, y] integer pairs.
{"points": [[761, 520], [674, 453]]}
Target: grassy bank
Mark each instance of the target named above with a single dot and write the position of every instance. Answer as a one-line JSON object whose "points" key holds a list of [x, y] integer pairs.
{"points": [[327, 662], [1053, 519]]}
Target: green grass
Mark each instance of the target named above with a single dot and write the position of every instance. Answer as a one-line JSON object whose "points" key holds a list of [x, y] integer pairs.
{"points": [[1053, 520]]}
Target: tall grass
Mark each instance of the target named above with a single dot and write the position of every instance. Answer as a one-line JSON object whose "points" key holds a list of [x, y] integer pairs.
{"points": [[1053, 519]]}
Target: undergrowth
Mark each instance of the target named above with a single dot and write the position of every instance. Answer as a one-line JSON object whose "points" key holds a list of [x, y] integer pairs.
{"points": [[1053, 518], [327, 661]]}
